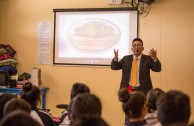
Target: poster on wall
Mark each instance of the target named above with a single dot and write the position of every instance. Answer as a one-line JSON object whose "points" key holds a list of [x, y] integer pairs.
{"points": [[44, 38]]}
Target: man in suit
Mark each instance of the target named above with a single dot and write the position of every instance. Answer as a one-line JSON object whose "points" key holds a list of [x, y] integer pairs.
{"points": [[144, 64]]}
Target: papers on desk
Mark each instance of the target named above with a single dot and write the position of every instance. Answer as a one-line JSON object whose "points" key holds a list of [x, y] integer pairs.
{"points": [[36, 77]]}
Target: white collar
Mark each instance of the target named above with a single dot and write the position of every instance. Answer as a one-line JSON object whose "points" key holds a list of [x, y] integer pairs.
{"points": [[139, 57]]}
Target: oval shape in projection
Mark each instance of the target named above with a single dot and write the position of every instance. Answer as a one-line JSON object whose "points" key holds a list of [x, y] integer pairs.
{"points": [[93, 35]]}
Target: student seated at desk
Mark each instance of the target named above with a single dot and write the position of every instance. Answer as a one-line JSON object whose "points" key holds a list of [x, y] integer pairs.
{"points": [[77, 88], [4, 98], [91, 120], [134, 107], [19, 118], [31, 94], [16, 104], [82, 105]]}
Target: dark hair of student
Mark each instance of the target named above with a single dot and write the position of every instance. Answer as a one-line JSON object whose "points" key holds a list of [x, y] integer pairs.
{"points": [[137, 39], [84, 104], [31, 94], [16, 104], [4, 98], [152, 97], [132, 103], [174, 108], [19, 118], [79, 88], [90, 120]]}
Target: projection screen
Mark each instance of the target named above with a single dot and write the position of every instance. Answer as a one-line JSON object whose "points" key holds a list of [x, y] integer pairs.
{"points": [[89, 36]]}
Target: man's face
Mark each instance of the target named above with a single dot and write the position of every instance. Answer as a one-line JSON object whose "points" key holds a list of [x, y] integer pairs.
{"points": [[137, 48]]}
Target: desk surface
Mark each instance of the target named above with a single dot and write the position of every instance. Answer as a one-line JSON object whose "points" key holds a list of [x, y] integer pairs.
{"points": [[18, 90], [10, 90]]}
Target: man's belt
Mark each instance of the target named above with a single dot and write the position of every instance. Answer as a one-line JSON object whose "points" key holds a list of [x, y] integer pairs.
{"points": [[135, 87]]}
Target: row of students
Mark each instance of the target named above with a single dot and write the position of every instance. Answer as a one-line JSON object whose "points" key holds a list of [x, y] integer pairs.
{"points": [[29, 98], [83, 108], [156, 109], [171, 108], [31, 94]]}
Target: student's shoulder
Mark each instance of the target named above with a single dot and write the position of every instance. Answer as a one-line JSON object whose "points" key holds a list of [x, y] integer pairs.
{"points": [[46, 117], [44, 113]]}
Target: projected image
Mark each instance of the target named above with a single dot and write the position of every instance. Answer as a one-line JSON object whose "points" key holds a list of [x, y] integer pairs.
{"points": [[93, 35], [89, 38]]}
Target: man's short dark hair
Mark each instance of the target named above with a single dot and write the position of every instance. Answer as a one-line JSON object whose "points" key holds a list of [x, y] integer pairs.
{"points": [[137, 39]]}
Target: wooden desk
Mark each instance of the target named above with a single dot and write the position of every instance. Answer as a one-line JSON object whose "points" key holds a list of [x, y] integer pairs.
{"points": [[18, 90]]}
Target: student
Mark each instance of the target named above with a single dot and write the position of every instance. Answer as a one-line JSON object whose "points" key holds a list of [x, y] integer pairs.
{"points": [[174, 108], [91, 120], [77, 88], [84, 104], [134, 107], [4, 98], [152, 97], [16, 104], [19, 118], [31, 94], [136, 68]]}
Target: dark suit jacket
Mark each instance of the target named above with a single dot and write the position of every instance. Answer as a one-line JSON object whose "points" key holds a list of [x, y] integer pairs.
{"points": [[146, 64]]}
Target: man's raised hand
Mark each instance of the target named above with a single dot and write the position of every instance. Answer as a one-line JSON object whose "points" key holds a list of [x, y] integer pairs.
{"points": [[116, 52]]}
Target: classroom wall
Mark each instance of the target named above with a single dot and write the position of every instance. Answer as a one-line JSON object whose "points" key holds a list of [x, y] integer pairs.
{"points": [[168, 28]]}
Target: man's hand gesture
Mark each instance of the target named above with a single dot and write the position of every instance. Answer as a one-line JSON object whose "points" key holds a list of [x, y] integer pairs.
{"points": [[153, 54], [116, 52]]}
